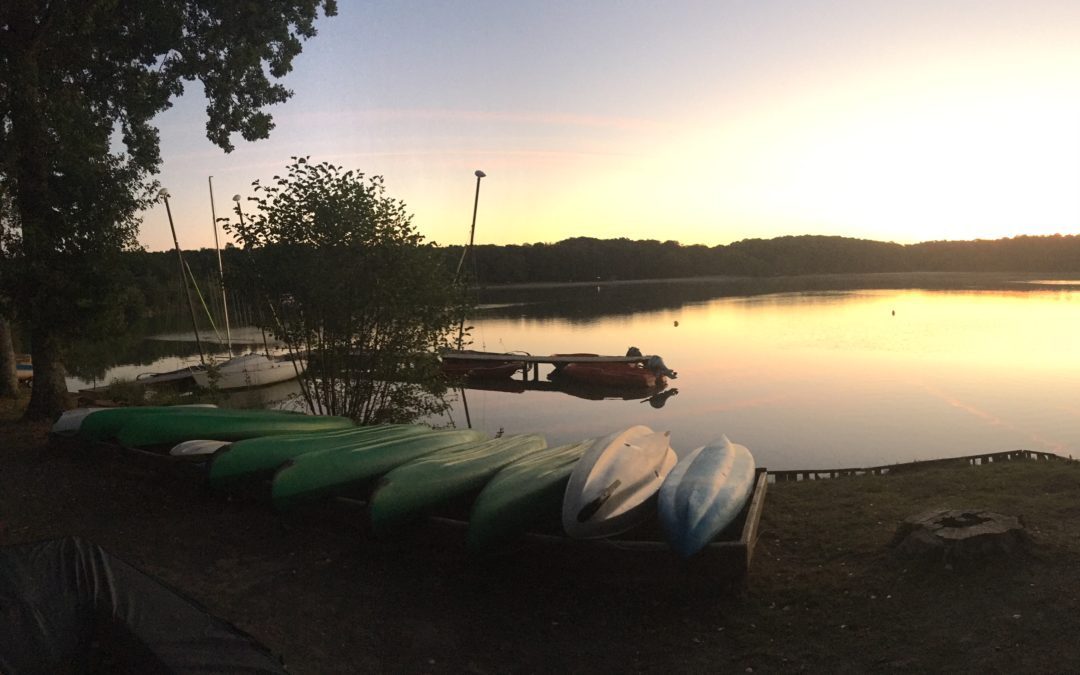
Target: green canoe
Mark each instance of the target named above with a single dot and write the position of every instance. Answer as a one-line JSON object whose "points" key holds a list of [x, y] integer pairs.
{"points": [[171, 428], [256, 456], [104, 423], [521, 495], [420, 486], [318, 474]]}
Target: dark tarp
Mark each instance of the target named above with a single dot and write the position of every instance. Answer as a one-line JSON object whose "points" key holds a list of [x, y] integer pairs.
{"points": [[68, 606]]}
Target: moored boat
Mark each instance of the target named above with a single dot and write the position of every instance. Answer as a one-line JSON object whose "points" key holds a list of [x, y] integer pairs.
{"points": [[469, 364], [614, 375], [249, 370], [634, 371]]}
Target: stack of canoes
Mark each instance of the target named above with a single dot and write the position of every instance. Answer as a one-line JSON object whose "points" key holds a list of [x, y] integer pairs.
{"points": [[148, 427], [509, 486]]}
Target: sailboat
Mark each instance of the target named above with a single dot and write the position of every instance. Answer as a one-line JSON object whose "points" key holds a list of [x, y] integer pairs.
{"points": [[248, 370]]}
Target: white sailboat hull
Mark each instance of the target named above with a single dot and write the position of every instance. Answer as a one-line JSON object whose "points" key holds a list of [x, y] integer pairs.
{"points": [[249, 370]]}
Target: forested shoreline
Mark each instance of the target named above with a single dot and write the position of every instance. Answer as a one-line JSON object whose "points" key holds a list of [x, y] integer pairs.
{"points": [[153, 277], [586, 259]]}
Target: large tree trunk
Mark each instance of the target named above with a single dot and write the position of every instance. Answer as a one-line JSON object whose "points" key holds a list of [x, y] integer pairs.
{"points": [[9, 379], [41, 227], [49, 396]]}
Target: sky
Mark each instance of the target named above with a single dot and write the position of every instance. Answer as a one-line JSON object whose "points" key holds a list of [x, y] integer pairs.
{"points": [[704, 122]]}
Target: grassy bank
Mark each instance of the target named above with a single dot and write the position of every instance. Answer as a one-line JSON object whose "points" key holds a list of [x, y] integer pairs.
{"points": [[824, 594]]}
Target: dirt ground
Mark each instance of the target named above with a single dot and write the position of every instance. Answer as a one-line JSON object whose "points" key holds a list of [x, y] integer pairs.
{"points": [[825, 593]]}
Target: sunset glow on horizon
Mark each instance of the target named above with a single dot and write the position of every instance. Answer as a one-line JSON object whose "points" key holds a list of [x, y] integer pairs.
{"points": [[701, 122]]}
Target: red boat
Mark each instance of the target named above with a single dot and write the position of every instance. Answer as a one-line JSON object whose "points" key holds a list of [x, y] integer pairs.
{"points": [[617, 375], [458, 366]]}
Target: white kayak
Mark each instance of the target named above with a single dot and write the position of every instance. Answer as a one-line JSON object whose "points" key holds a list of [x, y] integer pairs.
{"points": [[197, 447], [704, 493], [612, 487]]}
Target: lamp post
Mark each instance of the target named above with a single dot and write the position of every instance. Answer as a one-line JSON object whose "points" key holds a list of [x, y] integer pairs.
{"points": [[236, 198], [164, 195]]}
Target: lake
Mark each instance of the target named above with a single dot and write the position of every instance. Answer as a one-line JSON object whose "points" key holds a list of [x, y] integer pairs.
{"points": [[818, 378]]}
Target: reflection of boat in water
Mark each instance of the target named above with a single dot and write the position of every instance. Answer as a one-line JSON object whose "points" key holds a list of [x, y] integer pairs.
{"points": [[249, 370], [655, 396]]}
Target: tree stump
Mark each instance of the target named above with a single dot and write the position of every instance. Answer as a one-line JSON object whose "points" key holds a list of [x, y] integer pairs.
{"points": [[959, 536]]}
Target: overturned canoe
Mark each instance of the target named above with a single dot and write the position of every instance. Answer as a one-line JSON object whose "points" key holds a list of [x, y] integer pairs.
{"points": [[413, 489], [170, 428], [326, 472], [521, 495], [101, 424], [704, 493], [256, 456], [613, 486]]}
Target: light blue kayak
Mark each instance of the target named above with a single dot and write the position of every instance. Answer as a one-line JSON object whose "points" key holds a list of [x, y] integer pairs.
{"points": [[704, 493], [327, 472], [419, 487]]}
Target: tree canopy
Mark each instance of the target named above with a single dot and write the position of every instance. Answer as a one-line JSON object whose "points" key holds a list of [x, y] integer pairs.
{"points": [[80, 85], [350, 285]]}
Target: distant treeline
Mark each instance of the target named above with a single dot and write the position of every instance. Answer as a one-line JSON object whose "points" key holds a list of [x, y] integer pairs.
{"points": [[587, 259], [154, 277]]}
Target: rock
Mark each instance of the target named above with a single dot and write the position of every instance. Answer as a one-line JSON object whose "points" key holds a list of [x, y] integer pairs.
{"points": [[959, 536]]}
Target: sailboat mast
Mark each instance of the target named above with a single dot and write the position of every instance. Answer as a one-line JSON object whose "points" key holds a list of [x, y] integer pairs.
{"points": [[164, 194], [221, 269]]}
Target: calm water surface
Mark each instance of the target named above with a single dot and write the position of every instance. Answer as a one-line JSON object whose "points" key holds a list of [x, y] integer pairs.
{"points": [[818, 380], [806, 380]]}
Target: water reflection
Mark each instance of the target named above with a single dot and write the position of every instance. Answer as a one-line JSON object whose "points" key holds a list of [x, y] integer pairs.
{"points": [[822, 377]]}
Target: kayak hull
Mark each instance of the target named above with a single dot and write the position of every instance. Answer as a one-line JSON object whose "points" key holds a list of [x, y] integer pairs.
{"points": [[423, 485], [522, 495], [704, 493], [170, 429], [614, 485], [257, 457], [319, 474]]}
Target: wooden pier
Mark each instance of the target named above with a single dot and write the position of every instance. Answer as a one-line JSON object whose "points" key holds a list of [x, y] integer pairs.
{"points": [[973, 460], [530, 362]]}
